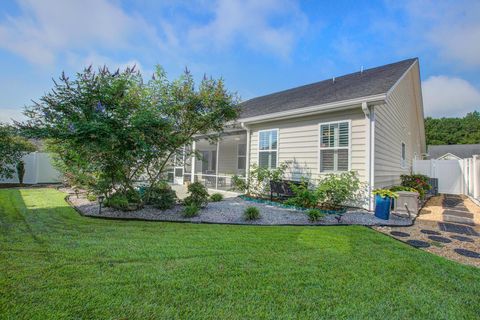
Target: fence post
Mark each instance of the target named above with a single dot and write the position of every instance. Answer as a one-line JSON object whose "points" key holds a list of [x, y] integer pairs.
{"points": [[475, 173]]}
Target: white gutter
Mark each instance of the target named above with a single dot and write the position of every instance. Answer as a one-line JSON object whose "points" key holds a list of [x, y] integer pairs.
{"points": [[370, 152], [327, 107]]}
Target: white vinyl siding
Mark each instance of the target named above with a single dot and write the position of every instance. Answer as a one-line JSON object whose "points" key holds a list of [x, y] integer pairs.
{"points": [[334, 154], [299, 142], [399, 120], [268, 148]]}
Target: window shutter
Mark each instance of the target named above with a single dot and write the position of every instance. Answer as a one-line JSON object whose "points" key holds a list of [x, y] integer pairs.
{"points": [[334, 146]]}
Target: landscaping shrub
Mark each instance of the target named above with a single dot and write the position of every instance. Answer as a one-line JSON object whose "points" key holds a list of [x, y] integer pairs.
{"points": [[258, 182], [315, 215], [418, 182], [198, 195], [239, 184], [335, 190], [252, 213], [91, 197], [161, 196], [304, 197], [124, 200], [190, 211], [114, 128], [216, 197]]}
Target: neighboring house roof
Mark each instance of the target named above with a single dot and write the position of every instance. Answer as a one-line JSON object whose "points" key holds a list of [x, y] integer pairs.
{"points": [[462, 151], [370, 82]]}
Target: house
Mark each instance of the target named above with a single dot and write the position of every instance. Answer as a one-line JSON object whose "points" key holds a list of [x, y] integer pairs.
{"points": [[371, 122], [453, 151]]}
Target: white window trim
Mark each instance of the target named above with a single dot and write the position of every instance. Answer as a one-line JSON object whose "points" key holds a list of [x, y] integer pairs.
{"points": [[403, 162], [270, 150], [245, 156], [349, 148]]}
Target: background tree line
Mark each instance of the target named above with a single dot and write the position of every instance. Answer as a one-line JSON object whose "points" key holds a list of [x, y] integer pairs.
{"points": [[464, 130]]}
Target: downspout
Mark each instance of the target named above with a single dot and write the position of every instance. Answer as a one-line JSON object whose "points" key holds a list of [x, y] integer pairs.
{"points": [[247, 165], [370, 152]]}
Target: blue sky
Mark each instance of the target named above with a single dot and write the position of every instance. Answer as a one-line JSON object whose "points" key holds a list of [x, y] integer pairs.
{"points": [[258, 46]]}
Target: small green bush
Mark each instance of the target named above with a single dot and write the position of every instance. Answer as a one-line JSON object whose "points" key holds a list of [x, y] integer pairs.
{"points": [[91, 197], [190, 211], [216, 197], [252, 213], [315, 215], [335, 190], [198, 195], [239, 184], [161, 196], [124, 200], [303, 197]]}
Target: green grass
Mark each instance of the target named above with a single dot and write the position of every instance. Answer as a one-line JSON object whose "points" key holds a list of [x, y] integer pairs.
{"points": [[55, 264]]}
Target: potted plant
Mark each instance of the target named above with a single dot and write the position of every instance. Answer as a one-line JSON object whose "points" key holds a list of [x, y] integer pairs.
{"points": [[383, 202]]}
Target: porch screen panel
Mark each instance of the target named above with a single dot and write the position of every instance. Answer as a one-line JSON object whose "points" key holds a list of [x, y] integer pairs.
{"points": [[334, 146], [268, 148], [241, 156]]}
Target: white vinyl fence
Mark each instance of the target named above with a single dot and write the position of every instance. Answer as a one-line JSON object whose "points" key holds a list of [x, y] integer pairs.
{"points": [[454, 176], [38, 169]]}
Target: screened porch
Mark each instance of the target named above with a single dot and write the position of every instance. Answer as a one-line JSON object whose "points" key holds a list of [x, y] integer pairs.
{"points": [[215, 164]]}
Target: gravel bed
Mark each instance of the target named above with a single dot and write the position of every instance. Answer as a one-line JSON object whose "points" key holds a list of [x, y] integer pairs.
{"points": [[231, 210]]}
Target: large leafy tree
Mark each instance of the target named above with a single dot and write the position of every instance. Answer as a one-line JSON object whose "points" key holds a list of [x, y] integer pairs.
{"points": [[12, 148], [110, 129], [464, 130]]}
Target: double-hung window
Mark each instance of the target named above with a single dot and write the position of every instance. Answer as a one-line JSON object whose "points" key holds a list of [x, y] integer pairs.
{"points": [[268, 148], [335, 146]]}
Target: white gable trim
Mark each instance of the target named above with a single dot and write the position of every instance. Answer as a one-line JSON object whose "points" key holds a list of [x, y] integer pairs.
{"points": [[448, 154]]}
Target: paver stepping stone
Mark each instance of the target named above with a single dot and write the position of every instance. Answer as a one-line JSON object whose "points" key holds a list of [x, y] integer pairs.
{"points": [[418, 243], [426, 231], [455, 228], [462, 214], [452, 196], [467, 253], [462, 238], [399, 234], [440, 239]]}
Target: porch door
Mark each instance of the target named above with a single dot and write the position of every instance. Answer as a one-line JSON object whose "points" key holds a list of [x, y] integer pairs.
{"points": [[179, 167], [178, 175]]}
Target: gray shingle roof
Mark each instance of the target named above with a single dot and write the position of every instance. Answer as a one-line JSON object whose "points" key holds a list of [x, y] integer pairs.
{"points": [[355, 85], [462, 151]]}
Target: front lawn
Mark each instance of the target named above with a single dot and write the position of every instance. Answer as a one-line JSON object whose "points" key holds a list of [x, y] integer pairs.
{"points": [[56, 264]]}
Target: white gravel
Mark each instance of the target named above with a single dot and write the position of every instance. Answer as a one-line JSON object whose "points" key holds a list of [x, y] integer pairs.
{"points": [[230, 211]]}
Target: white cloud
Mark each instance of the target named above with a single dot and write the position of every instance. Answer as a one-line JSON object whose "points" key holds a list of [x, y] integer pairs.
{"points": [[452, 28], [254, 23], [48, 27], [449, 96]]}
